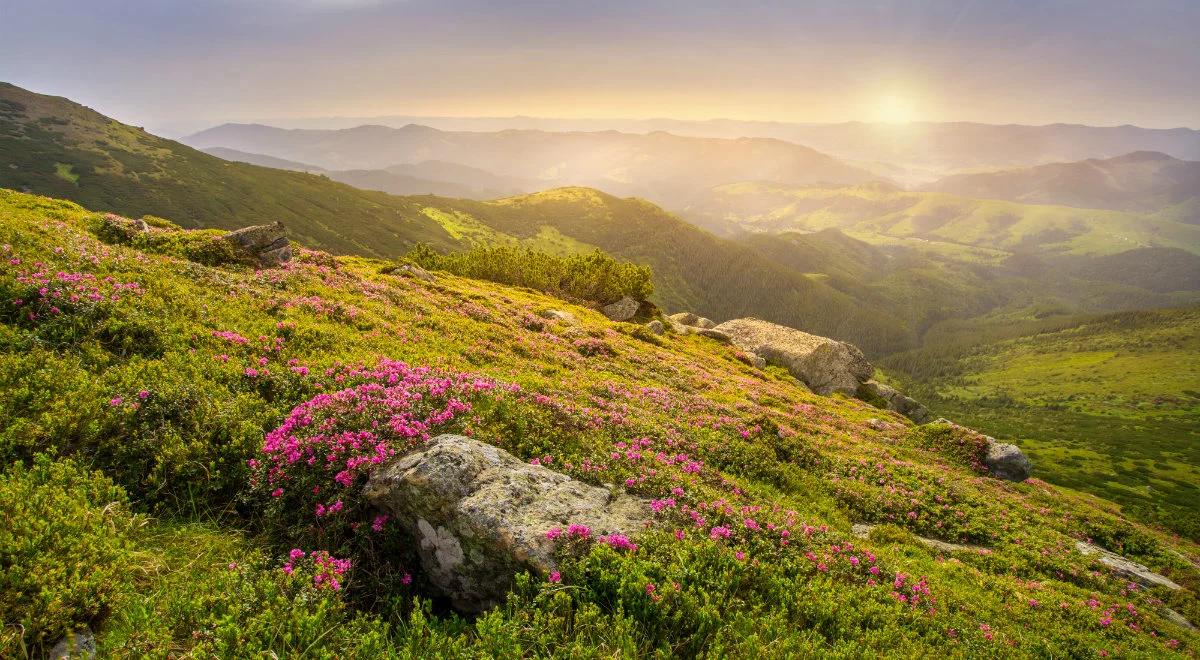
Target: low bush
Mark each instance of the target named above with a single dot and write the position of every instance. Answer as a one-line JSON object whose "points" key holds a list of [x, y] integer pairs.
{"points": [[596, 277], [65, 553]]}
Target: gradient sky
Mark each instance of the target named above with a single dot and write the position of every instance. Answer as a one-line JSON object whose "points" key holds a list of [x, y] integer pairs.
{"points": [[158, 62]]}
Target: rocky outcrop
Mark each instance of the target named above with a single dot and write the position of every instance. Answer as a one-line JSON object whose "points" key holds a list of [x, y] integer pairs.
{"points": [[862, 531], [897, 401], [1007, 461], [825, 365], [480, 515], [622, 310], [1126, 568], [264, 245]]}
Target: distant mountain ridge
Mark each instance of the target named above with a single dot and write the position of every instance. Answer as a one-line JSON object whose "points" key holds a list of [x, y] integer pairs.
{"points": [[1137, 181], [925, 147], [665, 168], [426, 178]]}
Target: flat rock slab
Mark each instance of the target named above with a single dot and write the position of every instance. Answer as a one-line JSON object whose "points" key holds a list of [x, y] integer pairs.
{"points": [[825, 365], [480, 515], [1126, 568], [863, 530]]}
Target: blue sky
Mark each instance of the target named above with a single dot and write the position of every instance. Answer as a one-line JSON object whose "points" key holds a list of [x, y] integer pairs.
{"points": [[152, 62]]}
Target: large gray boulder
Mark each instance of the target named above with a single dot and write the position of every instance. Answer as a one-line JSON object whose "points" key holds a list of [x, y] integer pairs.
{"points": [[622, 310], [265, 245], [825, 365], [1007, 461], [1126, 568], [899, 402], [480, 515]]}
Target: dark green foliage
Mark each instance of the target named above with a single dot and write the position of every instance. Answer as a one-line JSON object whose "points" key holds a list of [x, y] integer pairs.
{"points": [[65, 552], [596, 277]]}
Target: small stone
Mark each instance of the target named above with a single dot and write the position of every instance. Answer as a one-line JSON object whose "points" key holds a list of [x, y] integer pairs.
{"points": [[78, 644], [557, 315], [717, 335], [1177, 618], [656, 327]]}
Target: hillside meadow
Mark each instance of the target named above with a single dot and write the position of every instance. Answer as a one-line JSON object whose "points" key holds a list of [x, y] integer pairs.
{"points": [[143, 390]]}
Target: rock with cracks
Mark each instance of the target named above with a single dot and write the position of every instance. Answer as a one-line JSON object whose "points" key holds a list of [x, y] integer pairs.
{"points": [[480, 515], [825, 365], [622, 310], [898, 402], [264, 245], [1126, 568]]}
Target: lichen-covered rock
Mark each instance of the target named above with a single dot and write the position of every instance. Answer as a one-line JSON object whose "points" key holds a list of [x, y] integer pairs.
{"points": [[899, 402], [656, 327], [622, 310], [684, 318], [265, 245], [704, 323], [557, 315], [825, 365], [480, 515], [1126, 568], [1007, 461]]}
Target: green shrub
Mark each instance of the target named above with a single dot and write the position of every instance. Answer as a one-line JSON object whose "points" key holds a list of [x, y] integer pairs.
{"points": [[65, 553], [596, 277]]}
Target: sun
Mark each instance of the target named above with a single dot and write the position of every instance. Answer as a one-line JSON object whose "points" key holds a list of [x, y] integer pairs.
{"points": [[895, 109]]}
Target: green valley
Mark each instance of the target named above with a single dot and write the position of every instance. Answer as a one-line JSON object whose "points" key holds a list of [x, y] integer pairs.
{"points": [[1106, 404]]}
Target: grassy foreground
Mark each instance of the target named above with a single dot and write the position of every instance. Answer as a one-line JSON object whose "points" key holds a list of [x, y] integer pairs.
{"points": [[139, 385]]}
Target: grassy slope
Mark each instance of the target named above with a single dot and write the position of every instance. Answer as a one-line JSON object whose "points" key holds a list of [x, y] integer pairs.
{"points": [[878, 210], [52, 146], [124, 169], [764, 443], [1109, 404]]}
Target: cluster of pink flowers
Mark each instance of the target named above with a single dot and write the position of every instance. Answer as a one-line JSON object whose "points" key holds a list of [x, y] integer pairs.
{"points": [[52, 293], [328, 571], [328, 442]]}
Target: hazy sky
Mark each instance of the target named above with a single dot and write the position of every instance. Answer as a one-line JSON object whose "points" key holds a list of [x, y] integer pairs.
{"points": [[157, 62]]}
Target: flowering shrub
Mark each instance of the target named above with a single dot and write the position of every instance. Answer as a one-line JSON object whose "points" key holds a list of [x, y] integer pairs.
{"points": [[313, 466]]}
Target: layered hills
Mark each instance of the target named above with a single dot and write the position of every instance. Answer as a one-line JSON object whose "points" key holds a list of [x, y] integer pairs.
{"points": [[1140, 181], [667, 169]]}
